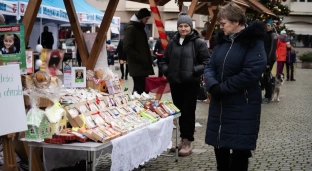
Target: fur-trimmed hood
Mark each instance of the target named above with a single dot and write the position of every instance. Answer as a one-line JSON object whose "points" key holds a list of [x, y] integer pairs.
{"points": [[251, 34]]}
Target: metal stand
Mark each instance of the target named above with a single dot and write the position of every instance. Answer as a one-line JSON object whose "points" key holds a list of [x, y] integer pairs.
{"points": [[176, 155]]}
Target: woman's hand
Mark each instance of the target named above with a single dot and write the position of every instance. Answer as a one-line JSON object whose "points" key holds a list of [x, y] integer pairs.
{"points": [[121, 61]]}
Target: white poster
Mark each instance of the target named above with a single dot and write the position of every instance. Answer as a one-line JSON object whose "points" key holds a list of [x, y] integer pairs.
{"points": [[78, 75], [13, 117], [101, 63], [67, 77]]}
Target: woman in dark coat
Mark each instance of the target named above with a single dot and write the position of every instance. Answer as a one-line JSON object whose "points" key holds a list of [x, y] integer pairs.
{"points": [[183, 64], [232, 77]]}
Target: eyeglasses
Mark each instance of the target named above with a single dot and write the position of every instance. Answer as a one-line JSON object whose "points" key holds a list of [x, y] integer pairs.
{"points": [[222, 24]]}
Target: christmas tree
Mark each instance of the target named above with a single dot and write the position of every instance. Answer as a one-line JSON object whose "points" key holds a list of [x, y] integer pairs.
{"points": [[279, 10]]}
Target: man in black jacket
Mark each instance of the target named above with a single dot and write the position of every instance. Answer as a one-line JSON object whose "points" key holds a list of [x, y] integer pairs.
{"points": [[159, 53], [135, 46], [47, 39], [270, 44]]}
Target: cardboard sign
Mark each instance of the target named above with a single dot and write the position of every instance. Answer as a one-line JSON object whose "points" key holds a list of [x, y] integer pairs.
{"points": [[30, 61], [52, 61], [78, 75], [102, 60], [67, 79], [12, 46], [12, 115]]}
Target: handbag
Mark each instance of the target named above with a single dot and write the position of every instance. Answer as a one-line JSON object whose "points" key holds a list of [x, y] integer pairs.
{"points": [[202, 94]]}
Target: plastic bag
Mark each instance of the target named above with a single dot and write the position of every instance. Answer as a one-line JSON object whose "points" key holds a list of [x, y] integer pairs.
{"points": [[34, 115], [53, 92]]}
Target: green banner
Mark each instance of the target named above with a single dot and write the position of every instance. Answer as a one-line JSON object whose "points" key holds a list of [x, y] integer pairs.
{"points": [[12, 46]]}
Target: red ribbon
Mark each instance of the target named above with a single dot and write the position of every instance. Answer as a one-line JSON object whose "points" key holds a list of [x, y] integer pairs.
{"points": [[96, 113]]}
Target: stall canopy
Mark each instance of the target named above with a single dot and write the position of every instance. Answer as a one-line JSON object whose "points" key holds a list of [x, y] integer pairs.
{"points": [[55, 10]]}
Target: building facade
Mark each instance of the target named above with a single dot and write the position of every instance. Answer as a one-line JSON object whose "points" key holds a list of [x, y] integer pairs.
{"points": [[300, 20], [169, 14]]}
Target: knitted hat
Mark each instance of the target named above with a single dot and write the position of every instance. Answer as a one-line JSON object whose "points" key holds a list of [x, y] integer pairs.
{"points": [[269, 22], [144, 12], [283, 32], [2, 19], [184, 18]]}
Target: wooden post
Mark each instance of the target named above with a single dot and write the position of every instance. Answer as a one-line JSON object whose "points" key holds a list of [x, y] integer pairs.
{"points": [[192, 8], [75, 25], [159, 24], [102, 33], [212, 24], [30, 17], [8, 153]]}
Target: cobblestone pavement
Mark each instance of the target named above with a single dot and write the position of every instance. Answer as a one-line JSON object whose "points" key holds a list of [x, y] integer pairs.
{"points": [[285, 138]]}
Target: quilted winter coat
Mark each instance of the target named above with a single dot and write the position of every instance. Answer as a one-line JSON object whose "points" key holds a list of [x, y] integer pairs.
{"points": [[236, 65]]}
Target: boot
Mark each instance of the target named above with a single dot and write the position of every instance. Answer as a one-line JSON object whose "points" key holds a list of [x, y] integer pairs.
{"points": [[173, 148], [186, 149]]}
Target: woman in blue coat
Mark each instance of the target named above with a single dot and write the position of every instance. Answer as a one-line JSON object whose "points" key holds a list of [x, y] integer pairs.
{"points": [[232, 77]]}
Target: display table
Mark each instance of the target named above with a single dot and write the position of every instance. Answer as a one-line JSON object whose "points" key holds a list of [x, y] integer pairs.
{"points": [[157, 138]]}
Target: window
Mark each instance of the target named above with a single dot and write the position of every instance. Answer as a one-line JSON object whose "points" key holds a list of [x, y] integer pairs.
{"points": [[149, 30], [32, 131], [301, 0], [301, 40], [47, 130], [309, 0], [60, 128], [121, 30]]}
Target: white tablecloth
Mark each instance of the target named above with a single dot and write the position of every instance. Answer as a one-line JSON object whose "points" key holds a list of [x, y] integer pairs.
{"points": [[129, 151], [135, 148]]}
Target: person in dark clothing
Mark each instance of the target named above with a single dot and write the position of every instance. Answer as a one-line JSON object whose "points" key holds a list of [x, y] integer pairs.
{"points": [[159, 53], [232, 77], [290, 60], [270, 44], [136, 47], [183, 65], [122, 60], [47, 39]]}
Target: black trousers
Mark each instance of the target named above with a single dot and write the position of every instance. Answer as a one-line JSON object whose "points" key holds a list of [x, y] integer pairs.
{"points": [[267, 82], [237, 161], [122, 69], [290, 67], [184, 96], [139, 84], [159, 58]]}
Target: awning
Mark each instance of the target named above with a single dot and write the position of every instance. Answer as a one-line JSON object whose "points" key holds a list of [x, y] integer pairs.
{"points": [[300, 28], [114, 30]]}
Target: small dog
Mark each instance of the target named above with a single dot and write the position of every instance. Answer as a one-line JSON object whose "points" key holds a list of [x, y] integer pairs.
{"points": [[276, 88]]}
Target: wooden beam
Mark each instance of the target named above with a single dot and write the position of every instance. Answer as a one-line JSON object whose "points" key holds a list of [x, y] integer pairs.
{"points": [[101, 35], [30, 17], [75, 25], [200, 5], [210, 10], [243, 8], [192, 8], [212, 25]]}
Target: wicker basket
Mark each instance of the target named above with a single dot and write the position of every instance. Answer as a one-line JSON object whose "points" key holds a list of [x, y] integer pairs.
{"points": [[93, 85], [43, 102], [27, 81]]}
